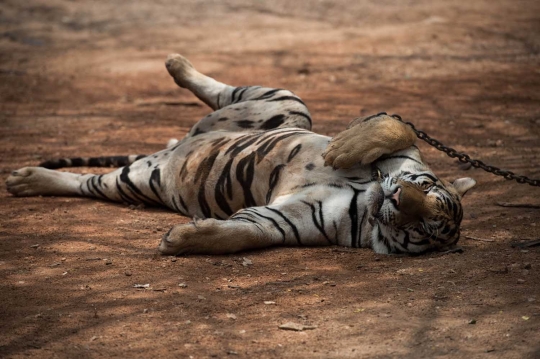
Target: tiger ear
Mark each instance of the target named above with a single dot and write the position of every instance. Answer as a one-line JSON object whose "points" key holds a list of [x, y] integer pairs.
{"points": [[462, 185]]}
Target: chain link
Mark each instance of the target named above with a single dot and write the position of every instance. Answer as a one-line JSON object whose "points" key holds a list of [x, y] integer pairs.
{"points": [[465, 158]]}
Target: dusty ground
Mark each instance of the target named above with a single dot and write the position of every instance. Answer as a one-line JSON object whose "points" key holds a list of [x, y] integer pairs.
{"points": [[88, 79]]}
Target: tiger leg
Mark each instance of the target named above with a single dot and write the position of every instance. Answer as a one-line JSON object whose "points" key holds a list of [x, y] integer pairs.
{"points": [[367, 139], [132, 184], [246, 108], [38, 181], [250, 228], [185, 75]]}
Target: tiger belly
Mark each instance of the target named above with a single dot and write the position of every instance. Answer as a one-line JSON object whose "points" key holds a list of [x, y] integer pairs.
{"points": [[217, 173]]}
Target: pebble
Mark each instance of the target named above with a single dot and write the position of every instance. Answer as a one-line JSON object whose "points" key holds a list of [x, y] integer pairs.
{"points": [[246, 262], [521, 281], [127, 273], [464, 166], [182, 285]]}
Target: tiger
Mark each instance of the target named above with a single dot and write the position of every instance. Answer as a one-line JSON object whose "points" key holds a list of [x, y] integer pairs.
{"points": [[252, 174]]}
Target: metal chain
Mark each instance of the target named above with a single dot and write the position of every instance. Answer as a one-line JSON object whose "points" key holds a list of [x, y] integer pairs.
{"points": [[465, 158]]}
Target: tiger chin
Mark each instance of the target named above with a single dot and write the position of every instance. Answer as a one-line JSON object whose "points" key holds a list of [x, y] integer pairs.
{"points": [[252, 175]]}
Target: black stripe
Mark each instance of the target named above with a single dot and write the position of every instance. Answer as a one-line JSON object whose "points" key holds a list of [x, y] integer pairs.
{"points": [[273, 221], [273, 122], [155, 176], [321, 219], [241, 143], [224, 185], [183, 170], [306, 116], [93, 178], [318, 225], [183, 204], [294, 152], [235, 91], [287, 98], [203, 171], [406, 241], [124, 177], [241, 94], [362, 224], [175, 205], [122, 194], [197, 132], [272, 181], [353, 215], [245, 172], [178, 209], [269, 145], [267, 94], [245, 124], [414, 177], [293, 227], [249, 221], [90, 191], [233, 95], [265, 136]]}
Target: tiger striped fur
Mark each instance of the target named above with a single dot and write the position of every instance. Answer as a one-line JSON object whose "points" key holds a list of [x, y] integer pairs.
{"points": [[253, 171]]}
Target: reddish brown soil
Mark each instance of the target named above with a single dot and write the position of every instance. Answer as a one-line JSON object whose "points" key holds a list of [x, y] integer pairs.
{"points": [[87, 78]]}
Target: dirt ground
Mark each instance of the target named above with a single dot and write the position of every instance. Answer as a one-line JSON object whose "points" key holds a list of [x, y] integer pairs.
{"points": [[87, 78]]}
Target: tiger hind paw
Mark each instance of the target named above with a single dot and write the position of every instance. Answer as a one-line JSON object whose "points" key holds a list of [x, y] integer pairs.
{"points": [[180, 69]]}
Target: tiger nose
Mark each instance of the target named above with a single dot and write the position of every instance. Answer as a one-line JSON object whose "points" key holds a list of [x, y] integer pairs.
{"points": [[396, 196]]}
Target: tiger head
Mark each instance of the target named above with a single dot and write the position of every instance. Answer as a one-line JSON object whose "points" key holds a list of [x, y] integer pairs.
{"points": [[416, 212]]}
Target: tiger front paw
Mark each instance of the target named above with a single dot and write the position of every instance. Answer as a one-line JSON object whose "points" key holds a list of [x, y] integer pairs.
{"points": [[367, 139], [197, 236]]}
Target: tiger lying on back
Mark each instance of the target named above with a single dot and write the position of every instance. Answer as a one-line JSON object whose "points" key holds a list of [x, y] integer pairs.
{"points": [[254, 171]]}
